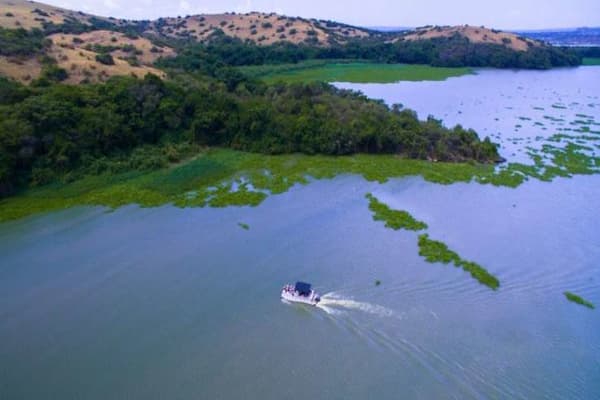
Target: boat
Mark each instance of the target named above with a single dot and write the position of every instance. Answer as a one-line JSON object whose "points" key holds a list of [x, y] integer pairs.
{"points": [[301, 292]]}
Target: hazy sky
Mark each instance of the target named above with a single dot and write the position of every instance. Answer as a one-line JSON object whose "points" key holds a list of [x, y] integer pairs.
{"points": [[507, 14]]}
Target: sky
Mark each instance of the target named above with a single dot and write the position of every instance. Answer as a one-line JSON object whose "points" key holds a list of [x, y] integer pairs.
{"points": [[502, 14]]}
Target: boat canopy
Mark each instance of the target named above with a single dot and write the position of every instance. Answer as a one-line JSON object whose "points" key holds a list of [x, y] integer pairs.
{"points": [[303, 288]]}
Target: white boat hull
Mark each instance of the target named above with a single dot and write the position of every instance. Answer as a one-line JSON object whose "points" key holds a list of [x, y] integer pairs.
{"points": [[312, 300]]}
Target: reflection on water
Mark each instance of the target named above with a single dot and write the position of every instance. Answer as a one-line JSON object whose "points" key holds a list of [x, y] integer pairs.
{"points": [[182, 303]]}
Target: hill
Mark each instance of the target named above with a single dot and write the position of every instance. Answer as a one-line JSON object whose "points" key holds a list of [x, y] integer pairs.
{"points": [[38, 41], [473, 34], [259, 28]]}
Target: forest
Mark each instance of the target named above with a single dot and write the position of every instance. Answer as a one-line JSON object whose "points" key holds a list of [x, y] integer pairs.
{"points": [[454, 51], [57, 131]]}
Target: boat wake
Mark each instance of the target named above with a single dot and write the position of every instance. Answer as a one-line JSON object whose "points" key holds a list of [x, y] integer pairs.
{"points": [[333, 303]]}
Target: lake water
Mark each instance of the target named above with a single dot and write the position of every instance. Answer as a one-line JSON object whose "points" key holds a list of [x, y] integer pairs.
{"points": [[183, 303]]}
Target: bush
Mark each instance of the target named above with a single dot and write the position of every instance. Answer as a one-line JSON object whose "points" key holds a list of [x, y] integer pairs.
{"points": [[20, 42], [105, 58]]}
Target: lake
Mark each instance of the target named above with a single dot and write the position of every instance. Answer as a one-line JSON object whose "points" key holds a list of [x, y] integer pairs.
{"points": [[184, 303]]}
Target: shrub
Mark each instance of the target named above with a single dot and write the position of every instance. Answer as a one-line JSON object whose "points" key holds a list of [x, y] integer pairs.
{"points": [[54, 73], [105, 58]]}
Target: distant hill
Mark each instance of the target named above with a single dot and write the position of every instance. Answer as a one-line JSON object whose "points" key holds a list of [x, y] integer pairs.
{"points": [[42, 41], [473, 34], [87, 54], [259, 28]]}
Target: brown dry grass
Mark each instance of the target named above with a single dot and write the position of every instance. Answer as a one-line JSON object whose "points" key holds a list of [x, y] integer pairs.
{"points": [[25, 16], [474, 34], [260, 28], [110, 38], [23, 70], [81, 65]]}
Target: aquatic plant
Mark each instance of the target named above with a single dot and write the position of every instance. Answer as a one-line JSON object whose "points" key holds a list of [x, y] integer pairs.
{"points": [[579, 300], [377, 282], [244, 226], [437, 252], [207, 178], [394, 219]]}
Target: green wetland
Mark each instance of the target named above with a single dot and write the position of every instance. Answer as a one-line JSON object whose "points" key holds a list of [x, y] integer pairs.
{"points": [[166, 285], [356, 72]]}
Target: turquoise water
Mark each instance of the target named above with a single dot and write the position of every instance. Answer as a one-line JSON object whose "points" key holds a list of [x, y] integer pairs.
{"points": [[183, 303]]}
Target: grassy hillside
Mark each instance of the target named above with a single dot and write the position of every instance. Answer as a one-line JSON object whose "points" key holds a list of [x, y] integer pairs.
{"points": [[257, 27], [473, 34]]}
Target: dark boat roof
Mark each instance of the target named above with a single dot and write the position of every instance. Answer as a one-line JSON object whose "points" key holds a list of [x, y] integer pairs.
{"points": [[302, 287]]}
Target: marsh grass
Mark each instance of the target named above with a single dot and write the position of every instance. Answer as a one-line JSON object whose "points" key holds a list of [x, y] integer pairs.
{"points": [[355, 72], [579, 300], [591, 61]]}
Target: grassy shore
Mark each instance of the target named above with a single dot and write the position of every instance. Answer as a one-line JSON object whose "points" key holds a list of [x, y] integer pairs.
{"points": [[355, 72], [222, 177]]}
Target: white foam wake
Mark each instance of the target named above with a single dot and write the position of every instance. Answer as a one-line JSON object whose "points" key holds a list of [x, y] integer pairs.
{"points": [[332, 303]]}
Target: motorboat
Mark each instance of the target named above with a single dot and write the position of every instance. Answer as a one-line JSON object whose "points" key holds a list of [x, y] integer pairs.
{"points": [[301, 292]]}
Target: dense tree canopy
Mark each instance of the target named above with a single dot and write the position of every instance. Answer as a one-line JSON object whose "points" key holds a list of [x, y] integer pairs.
{"points": [[454, 51], [46, 132]]}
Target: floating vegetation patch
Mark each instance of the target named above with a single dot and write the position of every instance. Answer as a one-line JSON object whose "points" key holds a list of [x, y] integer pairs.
{"points": [[437, 252], [394, 219], [432, 250], [562, 137], [244, 226], [581, 122], [579, 300]]}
